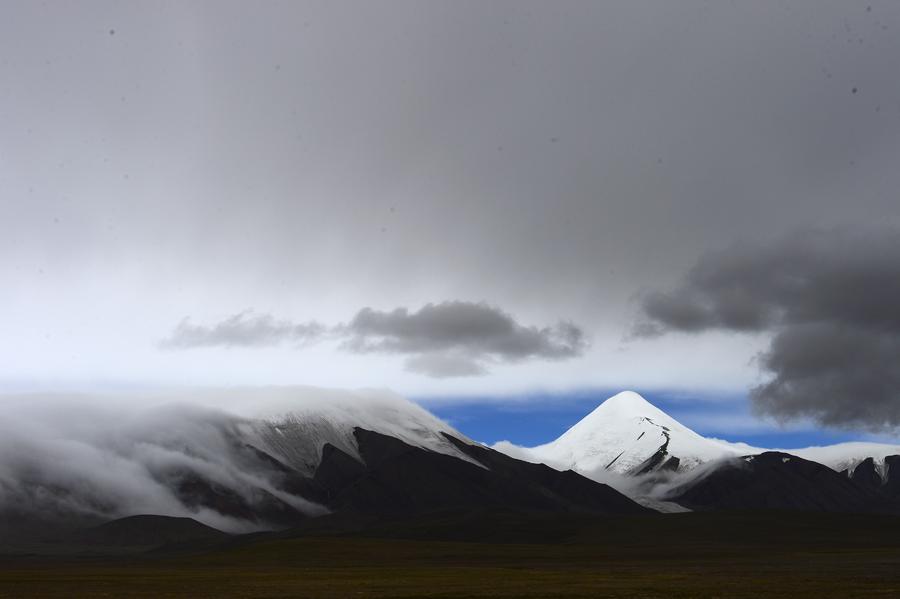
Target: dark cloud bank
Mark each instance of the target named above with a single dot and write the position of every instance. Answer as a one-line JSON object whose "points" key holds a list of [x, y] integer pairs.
{"points": [[831, 300], [448, 339]]}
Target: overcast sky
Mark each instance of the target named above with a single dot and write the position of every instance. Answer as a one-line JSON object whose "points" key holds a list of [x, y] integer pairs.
{"points": [[443, 198]]}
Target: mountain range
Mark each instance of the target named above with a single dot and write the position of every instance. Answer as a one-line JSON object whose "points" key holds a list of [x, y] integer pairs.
{"points": [[630, 443], [379, 456], [628, 435]]}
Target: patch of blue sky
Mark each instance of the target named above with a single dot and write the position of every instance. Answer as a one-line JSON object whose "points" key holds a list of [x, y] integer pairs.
{"points": [[539, 418]]}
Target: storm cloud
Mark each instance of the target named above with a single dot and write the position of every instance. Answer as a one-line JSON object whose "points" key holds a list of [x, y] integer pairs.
{"points": [[443, 340], [830, 299]]}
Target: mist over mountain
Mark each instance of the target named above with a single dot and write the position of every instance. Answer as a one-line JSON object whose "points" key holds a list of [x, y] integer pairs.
{"points": [[258, 459], [248, 459]]}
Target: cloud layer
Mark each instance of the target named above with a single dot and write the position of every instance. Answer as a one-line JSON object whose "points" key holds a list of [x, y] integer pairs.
{"points": [[350, 154], [447, 339], [831, 299]]}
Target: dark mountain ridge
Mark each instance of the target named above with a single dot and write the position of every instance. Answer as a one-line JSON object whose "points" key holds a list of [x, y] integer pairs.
{"points": [[780, 481]]}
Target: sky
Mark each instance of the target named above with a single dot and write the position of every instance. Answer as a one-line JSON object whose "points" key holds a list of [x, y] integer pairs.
{"points": [[476, 204]]}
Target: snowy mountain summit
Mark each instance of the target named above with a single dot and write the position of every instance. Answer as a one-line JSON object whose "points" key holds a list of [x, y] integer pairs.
{"points": [[628, 435]]}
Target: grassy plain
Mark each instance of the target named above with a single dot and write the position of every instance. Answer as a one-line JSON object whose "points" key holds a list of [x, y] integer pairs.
{"points": [[503, 555]]}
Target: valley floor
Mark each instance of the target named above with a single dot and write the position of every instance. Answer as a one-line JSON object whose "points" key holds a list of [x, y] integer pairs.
{"points": [[681, 555]]}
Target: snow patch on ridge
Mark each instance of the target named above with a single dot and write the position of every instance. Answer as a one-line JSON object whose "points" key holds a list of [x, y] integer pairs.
{"points": [[847, 456], [295, 423]]}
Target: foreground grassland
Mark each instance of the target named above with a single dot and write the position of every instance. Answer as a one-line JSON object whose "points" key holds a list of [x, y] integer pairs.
{"points": [[668, 556]]}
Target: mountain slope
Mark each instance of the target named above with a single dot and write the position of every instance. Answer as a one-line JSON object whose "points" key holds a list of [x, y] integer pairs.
{"points": [[778, 481], [148, 531], [397, 479]]}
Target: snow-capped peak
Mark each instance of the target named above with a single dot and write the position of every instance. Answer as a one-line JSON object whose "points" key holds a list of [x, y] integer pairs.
{"points": [[623, 407], [628, 401], [627, 434]]}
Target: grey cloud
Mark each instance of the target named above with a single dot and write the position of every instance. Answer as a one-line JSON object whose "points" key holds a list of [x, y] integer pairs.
{"points": [[831, 300], [244, 329], [841, 375], [447, 339], [476, 328]]}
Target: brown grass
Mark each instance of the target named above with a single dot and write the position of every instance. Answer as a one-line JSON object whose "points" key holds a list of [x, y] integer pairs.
{"points": [[694, 556]]}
